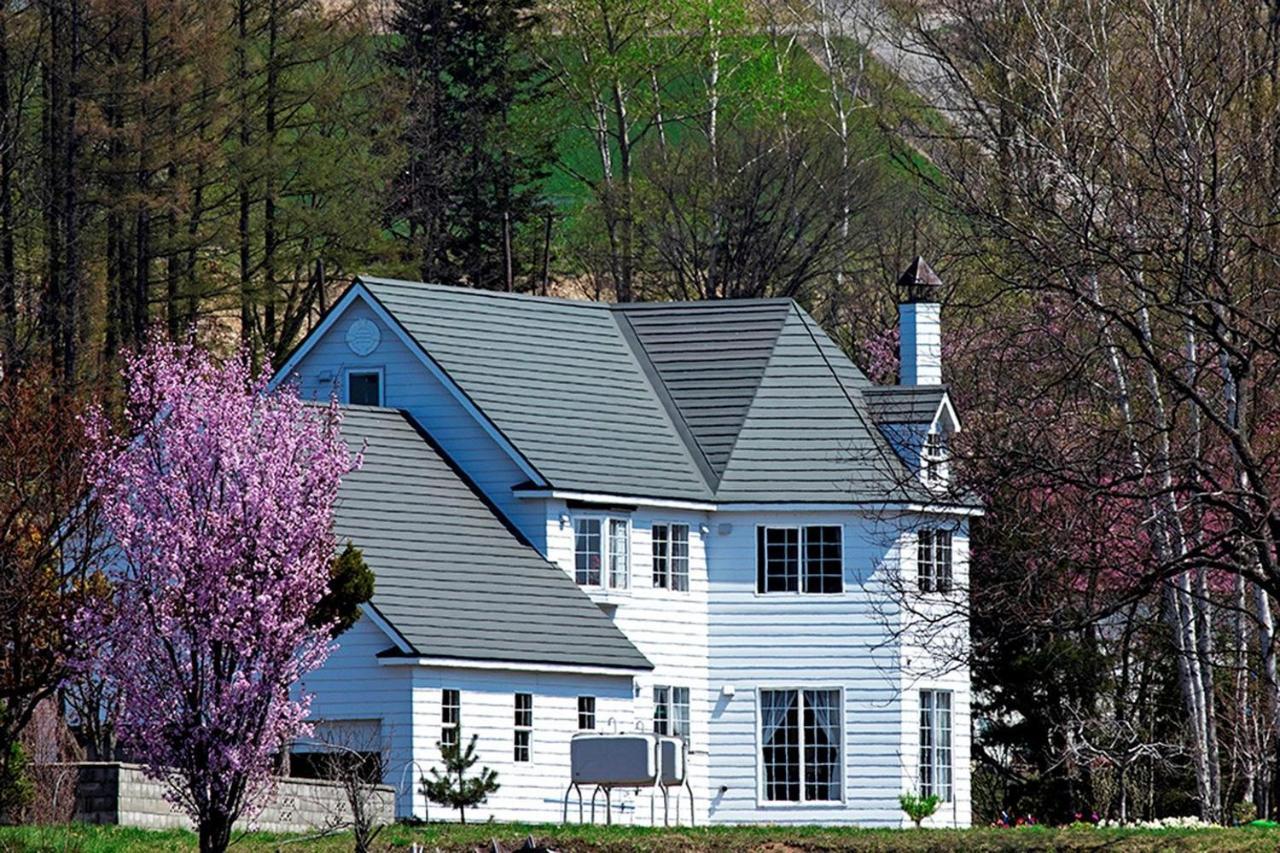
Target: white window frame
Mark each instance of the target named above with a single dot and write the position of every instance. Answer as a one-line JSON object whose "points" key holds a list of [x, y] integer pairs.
{"points": [[347, 373], [669, 573], [522, 728], [937, 550], [761, 590], [453, 727], [762, 787], [606, 520], [587, 713], [947, 795], [670, 719], [933, 459]]}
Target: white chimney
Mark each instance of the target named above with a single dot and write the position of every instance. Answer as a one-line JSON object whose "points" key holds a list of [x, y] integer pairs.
{"points": [[920, 326]]}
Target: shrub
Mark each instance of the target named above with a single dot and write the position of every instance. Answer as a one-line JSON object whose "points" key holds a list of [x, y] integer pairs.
{"points": [[917, 807]]}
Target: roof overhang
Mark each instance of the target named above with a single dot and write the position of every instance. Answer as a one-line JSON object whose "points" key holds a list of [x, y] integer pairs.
{"points": [[605, 499], [512, 666]]}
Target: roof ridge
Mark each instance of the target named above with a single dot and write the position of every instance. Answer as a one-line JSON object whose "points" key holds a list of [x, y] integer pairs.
{"points": [[655, 380], [483, 293], [888, 457], [755, 392]]}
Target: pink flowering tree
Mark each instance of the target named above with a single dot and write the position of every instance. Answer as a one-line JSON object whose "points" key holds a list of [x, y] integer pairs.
{"points": [[219, 496]]}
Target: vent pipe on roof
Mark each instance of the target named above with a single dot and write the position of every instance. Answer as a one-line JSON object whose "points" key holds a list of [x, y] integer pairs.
{"points": [[920, 326]]}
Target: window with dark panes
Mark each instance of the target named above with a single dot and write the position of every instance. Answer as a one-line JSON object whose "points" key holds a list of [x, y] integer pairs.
{"points": [[800, 559], [671, 556], [450, 716], [364, 389], [586, 713], [523, 726], [933, 560], [800, 743]]}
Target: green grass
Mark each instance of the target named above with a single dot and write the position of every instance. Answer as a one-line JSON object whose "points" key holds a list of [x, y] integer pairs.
{"points": [[578, 839]]}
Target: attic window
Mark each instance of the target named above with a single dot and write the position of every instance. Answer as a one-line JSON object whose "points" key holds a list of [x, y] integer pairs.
{"points": [[364, 388], [934, 458]]}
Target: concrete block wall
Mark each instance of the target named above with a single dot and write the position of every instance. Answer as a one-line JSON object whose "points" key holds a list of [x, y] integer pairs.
{"points": [[123, 794]]}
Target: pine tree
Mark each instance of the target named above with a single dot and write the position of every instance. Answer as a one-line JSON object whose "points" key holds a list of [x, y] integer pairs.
{"points": [[471, 181], [453, 787]]}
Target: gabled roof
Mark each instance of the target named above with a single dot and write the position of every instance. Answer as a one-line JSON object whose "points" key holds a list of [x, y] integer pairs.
{"points": [[453, 579], [907, 404], [558, 379], [735, 401]]}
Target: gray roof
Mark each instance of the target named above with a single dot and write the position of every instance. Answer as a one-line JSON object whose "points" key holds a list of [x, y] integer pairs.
{"points": [[732, 400], [453, 577], [906, 404], [558, 379]]}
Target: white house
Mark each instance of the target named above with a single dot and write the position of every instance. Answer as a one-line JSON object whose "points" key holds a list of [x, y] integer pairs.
{"points": [[697, 518]]}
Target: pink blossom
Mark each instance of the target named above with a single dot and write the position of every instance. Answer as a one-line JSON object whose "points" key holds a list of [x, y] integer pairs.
{"points": [[219, 495]]}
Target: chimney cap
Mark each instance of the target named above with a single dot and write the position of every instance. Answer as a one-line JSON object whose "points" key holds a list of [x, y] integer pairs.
{"points": [[920, 282]]}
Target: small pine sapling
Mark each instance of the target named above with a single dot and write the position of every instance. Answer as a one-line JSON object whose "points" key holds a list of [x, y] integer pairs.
{"points": [[917, 807], [453, 788]]}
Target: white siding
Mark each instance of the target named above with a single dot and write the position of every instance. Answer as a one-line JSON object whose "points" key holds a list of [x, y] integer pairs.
{"points": [[933, 653], [669, 627], [533, 791], [841, 641], [408, 385], [352, 686]]}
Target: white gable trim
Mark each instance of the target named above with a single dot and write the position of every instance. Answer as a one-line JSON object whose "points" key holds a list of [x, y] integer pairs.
{"points": [[945, 409], [372, 614], [512, 666], [359, 291]]}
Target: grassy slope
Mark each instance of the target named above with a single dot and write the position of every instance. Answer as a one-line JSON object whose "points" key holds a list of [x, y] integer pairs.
{"points": [[575, 839]]}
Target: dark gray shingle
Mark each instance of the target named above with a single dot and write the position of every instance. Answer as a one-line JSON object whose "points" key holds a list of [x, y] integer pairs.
{"points": [[452, 577], [905, 404]]}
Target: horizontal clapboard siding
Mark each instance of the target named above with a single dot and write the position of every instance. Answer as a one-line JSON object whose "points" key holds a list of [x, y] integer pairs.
{"points": [[352, 686], [530, 792], [837, 641], [669, 627]]}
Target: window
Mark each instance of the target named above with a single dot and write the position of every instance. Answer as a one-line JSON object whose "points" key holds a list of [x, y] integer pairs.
{"points": [[364, 388], [934, 458], [524, 726], [800, 559], [671, 711], [935, 744], [586, 551], [619, 553], [586, 713], [593, 539], [450, 716], [671, 556], [933, 560], [800, 736]]}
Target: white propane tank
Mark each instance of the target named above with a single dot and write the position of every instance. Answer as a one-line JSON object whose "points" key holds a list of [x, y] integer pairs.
{"points": [[672, 750], [624, 760]]}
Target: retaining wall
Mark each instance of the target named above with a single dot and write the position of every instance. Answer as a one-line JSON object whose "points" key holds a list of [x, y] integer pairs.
{"points": [[122, 794]]}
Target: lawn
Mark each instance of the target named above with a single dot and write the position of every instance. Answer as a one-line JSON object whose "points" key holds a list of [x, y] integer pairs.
{"points": [[576, 839]]}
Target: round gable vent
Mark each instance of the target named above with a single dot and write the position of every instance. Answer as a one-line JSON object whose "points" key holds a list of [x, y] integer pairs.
{"points": [[363, 336]]}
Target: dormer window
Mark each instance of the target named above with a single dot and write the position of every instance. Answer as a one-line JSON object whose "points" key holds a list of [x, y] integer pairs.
{"points": [[602, 552], [933, 459]]}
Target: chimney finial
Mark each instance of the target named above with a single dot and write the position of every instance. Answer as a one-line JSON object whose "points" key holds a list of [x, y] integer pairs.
{"points": [[920, 283]]}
